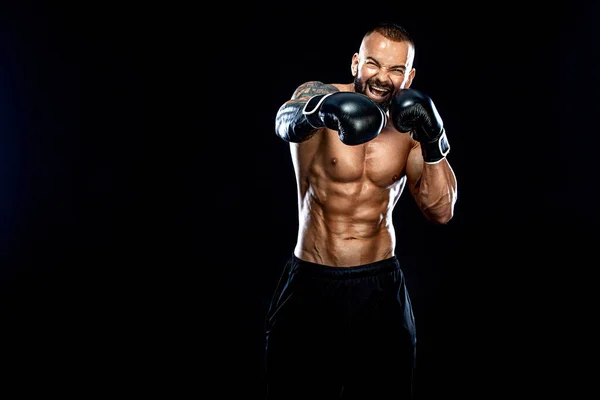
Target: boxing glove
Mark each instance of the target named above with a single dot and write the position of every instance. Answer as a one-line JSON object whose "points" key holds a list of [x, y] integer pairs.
{"points": [[413, 111], [355, 117]]}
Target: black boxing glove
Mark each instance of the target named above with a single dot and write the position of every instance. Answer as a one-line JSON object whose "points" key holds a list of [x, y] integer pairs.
{"points": [[414, 112], [356, 117]]}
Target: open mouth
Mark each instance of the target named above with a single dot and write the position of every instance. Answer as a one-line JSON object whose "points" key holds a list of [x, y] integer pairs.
{"points": [[378, 93]]}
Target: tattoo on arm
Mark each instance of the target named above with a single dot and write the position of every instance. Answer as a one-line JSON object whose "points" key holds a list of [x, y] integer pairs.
{"points": [[291, 124], [310, 89]]}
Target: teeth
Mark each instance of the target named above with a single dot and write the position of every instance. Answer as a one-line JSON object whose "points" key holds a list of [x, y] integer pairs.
{"points": [[378, 89]]}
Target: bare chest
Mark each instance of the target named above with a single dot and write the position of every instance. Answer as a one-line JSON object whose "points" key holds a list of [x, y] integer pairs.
{"points": [[381, 161]]}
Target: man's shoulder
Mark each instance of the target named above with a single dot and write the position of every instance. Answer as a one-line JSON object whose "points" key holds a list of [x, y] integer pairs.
{"points": [[313, 88], [336, 87], [343, 87]]}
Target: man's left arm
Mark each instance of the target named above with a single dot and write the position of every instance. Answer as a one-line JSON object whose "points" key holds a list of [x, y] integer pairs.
{"points": [[433, 186], [430, 177]]}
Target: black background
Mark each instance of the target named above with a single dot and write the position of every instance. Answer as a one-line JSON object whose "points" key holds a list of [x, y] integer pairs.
{"points": [[148, 208]]}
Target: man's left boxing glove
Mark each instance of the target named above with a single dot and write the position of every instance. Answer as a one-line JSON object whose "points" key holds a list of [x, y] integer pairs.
{"points": [[414, 112], [355, 117]]}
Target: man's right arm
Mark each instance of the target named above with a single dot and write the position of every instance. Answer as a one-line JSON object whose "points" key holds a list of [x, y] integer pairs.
{"points": [[291, 123]]}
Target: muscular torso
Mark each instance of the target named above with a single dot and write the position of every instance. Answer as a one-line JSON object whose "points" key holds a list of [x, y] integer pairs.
{"points": [[347, 195]]}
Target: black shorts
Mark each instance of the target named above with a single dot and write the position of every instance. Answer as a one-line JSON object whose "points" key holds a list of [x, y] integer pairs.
{"points": [[334, 333]]}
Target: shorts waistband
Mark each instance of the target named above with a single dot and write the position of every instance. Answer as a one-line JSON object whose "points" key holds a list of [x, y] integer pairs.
{"points": [[325, 271]]}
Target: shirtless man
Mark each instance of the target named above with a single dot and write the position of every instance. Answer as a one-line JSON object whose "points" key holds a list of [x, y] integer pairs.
{"points": [[340, 324]]}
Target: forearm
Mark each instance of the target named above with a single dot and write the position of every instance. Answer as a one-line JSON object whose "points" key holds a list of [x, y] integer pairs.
{"points": [[291, 124], [436, 192]]}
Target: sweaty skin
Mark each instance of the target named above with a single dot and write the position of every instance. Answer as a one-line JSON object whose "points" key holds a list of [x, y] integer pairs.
{"points": [[346, 194]]}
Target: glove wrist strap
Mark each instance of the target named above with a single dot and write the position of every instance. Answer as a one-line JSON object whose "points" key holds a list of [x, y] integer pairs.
{"points": [[434, 152], [311, 110]]}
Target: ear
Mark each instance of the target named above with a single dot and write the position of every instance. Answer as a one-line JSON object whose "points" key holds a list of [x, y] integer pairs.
{"points": [[354, 64], [409, 79]]}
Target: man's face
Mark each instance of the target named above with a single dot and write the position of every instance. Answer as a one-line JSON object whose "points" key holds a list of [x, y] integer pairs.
{"points": [[382, 67]]}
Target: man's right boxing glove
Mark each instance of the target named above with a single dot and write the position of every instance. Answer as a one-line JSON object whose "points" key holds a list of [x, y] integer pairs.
{"points": [[355, 117]]}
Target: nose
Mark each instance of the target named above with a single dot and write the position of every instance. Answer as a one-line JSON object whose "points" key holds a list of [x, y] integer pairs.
{"points": [[384, 77]]}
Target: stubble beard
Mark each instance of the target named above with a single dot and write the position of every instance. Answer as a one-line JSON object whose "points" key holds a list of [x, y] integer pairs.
{"points": [[361, 88]]}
